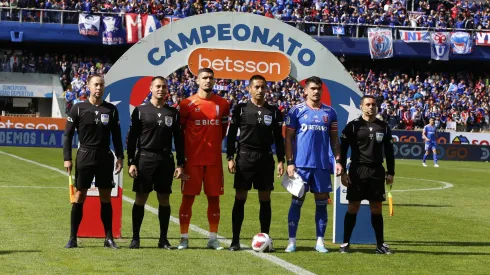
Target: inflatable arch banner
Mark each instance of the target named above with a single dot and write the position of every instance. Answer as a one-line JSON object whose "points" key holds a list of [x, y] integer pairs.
{"points": [[236, 46]]}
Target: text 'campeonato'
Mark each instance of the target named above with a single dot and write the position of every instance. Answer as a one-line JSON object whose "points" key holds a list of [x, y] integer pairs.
{"points": [[225, 32]]}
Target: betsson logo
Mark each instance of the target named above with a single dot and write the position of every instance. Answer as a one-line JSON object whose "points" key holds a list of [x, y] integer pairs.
{"points": [[29, 125], [240, 64]]}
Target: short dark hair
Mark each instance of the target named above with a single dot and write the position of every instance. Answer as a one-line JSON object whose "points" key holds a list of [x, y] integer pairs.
{"points": [[205, 70], [313, 79], [367, 96], [256, 77], [92, 76], [159, 78]]}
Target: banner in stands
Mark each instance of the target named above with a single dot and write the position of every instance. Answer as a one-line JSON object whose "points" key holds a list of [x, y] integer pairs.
{"points": [[482, 38], [416, 136], [444, 151], [380, 43], [38, 123], [34, 138], [461, 43], [25, 90], [139, 26], [113, 33], [88, 24], [415, 36], [440, 45], [465, 138], [169, 48]]}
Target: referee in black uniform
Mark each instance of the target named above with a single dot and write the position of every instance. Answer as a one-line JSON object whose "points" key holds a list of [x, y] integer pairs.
{"points": [[153, 125], [95, 121], [367, 136], [260, 126]]}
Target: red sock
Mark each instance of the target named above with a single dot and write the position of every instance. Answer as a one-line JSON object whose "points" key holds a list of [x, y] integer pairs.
{"points": [[213, 213], [185, 213]]}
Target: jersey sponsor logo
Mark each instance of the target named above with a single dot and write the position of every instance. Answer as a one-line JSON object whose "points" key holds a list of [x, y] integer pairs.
{"points": [[104, 118], [379, 137], [267, 120], [168, 121], [306, 127], [207, 122], [240, 64]]}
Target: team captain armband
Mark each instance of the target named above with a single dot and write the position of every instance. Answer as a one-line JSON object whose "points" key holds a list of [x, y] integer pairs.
{"points": [[334, 126]]}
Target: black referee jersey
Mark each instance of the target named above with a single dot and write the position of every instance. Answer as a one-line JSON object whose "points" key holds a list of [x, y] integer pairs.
{"points": [[94, 124], [367, 141], [152, 129], [260, 127]]}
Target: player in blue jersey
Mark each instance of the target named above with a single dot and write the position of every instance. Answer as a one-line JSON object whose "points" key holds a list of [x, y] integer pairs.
{"points": [[311, 129], [429, 136]]}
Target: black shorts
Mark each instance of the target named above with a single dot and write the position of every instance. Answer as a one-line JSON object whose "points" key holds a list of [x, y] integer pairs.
{"points": [[367, 183], [254, 168], [155, 172], [94, 163]]}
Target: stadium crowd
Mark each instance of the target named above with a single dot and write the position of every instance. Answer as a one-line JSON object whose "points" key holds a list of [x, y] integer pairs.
{"points": [[406, 100], [445, 14]]}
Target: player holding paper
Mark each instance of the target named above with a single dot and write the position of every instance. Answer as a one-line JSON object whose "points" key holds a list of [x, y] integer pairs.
{"points": [[429, 136], [367, 136], [96, 121], [311, 128], [153, 125], [204, 120]]}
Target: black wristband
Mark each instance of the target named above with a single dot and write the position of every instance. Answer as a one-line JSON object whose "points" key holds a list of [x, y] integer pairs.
{"points": [[290, 162], [229, 157]]}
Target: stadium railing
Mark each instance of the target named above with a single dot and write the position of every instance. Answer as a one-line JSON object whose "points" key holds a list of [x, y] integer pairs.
{"points": [[50, 16]]}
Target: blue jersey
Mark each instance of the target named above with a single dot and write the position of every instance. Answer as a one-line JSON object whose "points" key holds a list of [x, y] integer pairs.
{"points": [[312, 145], [430, 133]]}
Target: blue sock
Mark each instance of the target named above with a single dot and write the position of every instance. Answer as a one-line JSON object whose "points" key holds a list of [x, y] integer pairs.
{"points": [[293, 217], [435, 158], [321, 217], [425, 157]]}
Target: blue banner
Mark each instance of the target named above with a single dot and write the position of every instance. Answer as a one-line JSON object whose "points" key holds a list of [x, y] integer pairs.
{"points": [[461, 43], [338, 30], [113, 33], [34, 138], [416, 136], [444, 151]]}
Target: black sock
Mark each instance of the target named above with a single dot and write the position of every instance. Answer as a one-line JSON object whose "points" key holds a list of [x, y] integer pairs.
{"points": [[106, 217], [237, 218], [76, 219], [138, 215], [349, 224], [164, 218], [377, 222], [265, 216]]}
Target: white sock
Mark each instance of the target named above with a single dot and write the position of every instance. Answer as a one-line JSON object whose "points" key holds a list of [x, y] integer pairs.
{"points": [[185, 236], [213, 236], [319, 241], [292, 240]]}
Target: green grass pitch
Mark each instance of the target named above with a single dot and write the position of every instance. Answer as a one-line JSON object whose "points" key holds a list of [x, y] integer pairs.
{"points": [[433, 232]]}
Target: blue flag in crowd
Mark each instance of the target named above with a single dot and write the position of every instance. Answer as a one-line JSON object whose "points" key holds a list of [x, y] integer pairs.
{"points": [[338, 30]]}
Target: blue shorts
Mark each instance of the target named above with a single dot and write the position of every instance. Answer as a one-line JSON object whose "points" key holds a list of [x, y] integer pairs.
{"points": [[317, 180], [430, 146]]}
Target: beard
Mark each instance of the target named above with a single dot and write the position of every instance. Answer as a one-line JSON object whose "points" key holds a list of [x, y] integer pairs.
{"points": [[208, 90]]}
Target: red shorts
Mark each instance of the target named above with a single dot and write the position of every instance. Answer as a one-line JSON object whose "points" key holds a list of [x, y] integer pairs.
{"points": [[195, 175]]}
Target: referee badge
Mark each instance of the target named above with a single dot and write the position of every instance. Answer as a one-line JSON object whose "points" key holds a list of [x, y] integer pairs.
{"points": [[267, 120], [104, 118], [168, 121], [379, 137]]}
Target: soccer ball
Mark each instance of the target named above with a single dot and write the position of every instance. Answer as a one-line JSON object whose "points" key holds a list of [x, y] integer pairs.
{"points": [[261, 242]]}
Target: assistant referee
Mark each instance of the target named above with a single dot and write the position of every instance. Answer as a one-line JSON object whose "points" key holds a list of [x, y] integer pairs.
{"points": [[367, 136], [153, 125], [260, 126], [95, 121]]}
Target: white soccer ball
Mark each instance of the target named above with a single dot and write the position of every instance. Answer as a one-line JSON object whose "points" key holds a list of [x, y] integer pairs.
{"points": [[261, 242]]}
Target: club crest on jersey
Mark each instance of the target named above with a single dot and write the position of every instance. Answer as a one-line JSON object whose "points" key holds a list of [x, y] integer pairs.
{"points": [[325, 118], [267, 120], [104, 118], [379, 137], [168, 121]]}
